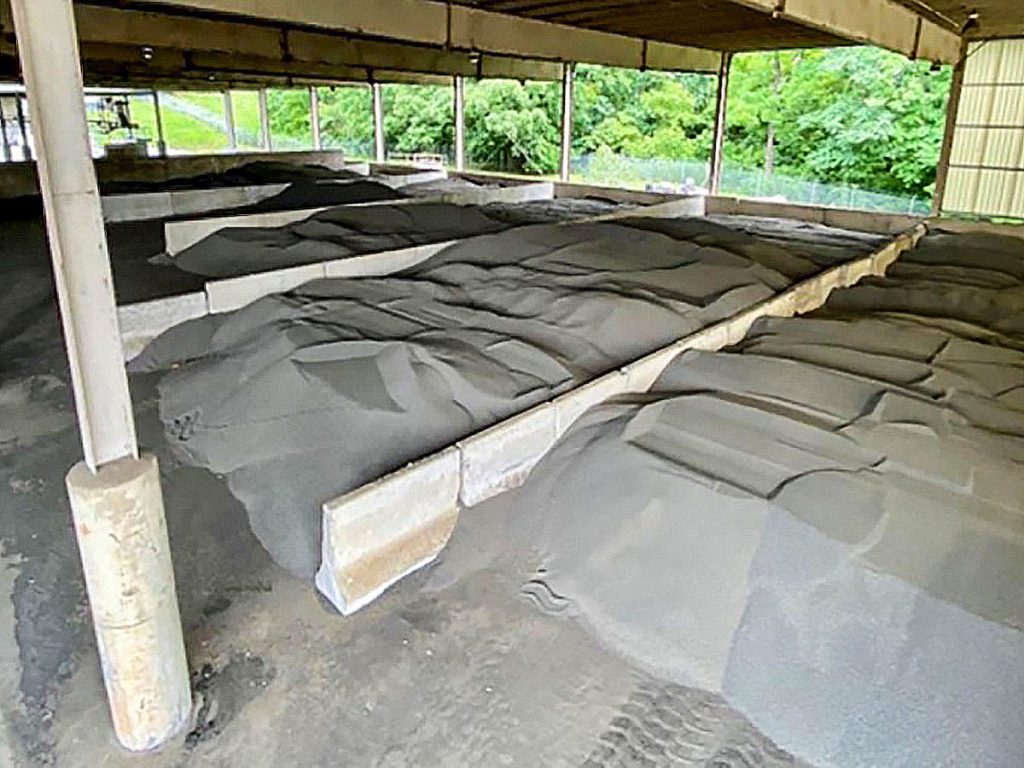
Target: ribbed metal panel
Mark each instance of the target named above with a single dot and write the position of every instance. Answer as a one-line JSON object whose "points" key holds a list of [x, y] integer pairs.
{"points": [[986, 174]]}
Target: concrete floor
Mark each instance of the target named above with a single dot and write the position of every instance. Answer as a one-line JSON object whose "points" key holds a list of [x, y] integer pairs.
{"points": [[442, 671]]}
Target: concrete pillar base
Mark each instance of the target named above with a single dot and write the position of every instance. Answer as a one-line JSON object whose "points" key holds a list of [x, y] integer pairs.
{"points": [[122, 536]]}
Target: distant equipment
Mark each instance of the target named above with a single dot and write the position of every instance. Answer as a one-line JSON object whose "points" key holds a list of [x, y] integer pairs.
{"points": [[111, 114]]}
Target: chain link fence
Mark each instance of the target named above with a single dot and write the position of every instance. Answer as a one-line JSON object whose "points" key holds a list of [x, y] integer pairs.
{"points": [[608, 168]]}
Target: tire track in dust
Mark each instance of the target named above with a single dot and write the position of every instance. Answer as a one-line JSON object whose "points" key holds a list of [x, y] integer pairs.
{"points": [[664, 725]]}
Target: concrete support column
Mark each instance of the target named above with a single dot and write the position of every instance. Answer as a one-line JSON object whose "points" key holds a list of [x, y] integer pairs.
{"points": [[115, 495], [161, 140], [952, 110], [265, 139], [566, 154], [122, 537], [379, 151], [314, 118], [718, 140], [229, 122], [460, 123]]}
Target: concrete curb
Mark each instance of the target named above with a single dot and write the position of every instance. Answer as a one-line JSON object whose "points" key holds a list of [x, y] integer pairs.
{"points": [[179, 235], [500, 457]]}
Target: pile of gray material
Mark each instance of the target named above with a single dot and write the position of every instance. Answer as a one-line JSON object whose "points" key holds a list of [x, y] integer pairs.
{"points": [[319, 193], [440, 187], [336, 233], [546, 211], [309, 186], [302, 396], [351, 231], [825, 523], [258, 172]]}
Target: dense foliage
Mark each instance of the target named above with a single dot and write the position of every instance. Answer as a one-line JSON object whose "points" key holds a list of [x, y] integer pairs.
{"points": [[858, 116]]}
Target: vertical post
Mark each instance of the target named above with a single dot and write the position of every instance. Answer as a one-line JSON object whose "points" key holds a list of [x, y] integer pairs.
{"points": [[5, 142], [566, 156], [314, 118], [26, 150], [718, 140], [460, 123], [952, 110], [378, 123], [229, 122], [115, 493], [265, 121], [161, 140]]}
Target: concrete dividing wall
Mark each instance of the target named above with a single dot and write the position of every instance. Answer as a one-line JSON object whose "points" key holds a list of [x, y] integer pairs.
{"points": [[160, 205], [512, 193], [864, 221], [19, 179], [138, 206], [179, 235], [411, 516], [142, 322], [618, 194]]}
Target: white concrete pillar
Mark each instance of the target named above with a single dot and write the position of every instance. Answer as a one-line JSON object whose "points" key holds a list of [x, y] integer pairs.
{"points": [[161, 139], [566, 153], [314, 118], [460, 123], [264, 121], [718, 137], [122, 537], [115, 495], [379, 151], [229, 122]]}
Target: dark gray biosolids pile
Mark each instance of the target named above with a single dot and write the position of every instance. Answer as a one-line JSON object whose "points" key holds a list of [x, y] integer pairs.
{"points": [[823, 523], [348, 230], [302, 396]]}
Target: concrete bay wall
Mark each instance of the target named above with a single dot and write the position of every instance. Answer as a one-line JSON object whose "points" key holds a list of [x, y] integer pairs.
{"points": [[417, 506]]}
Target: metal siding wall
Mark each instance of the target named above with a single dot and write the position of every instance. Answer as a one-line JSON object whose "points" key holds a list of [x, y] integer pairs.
{"points": [[986, 173]]}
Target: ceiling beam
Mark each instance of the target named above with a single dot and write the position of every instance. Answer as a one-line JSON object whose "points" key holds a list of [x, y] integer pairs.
{"points": [[105, 64], [884, 23], [310, 53], [460, 28], [474, 29]]}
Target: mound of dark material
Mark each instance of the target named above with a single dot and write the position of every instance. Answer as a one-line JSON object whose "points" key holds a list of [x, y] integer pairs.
{"points": [[314, 194], [824, 522], [351, 231], [258, 172], [333, 234], [302, 396]]}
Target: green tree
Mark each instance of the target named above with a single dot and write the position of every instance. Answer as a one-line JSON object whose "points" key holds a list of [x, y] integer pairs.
{"points": [[419, 118], [512, 126], [346, 119], [857, 116]]}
